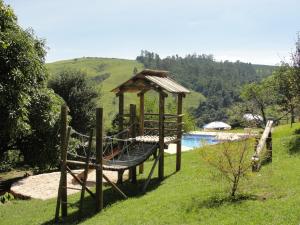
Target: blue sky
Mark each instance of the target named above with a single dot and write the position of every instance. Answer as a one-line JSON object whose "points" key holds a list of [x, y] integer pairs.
{"points": [[254, 31]]}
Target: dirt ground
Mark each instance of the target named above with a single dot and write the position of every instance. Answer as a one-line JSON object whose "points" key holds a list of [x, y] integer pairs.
{"points": [[45, 186]]}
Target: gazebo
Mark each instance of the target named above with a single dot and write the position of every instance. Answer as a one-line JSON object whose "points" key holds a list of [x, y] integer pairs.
{"points": [[160, 82]]}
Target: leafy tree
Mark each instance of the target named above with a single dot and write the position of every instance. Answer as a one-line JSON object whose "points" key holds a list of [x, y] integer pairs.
{"points": [[296, 68], [258, 97], [80, 96], [283, 85], [22, 73], [40, 146]]}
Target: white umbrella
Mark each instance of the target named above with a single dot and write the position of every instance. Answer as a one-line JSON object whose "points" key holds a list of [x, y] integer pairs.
{"points": [[217, 125], [251, 117]]}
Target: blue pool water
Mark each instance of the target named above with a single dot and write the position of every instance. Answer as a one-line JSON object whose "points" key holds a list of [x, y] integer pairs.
{"points": [[198, 140]]}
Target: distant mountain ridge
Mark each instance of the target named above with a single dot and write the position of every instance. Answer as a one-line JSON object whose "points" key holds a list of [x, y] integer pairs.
{"points": [[107, 73]]}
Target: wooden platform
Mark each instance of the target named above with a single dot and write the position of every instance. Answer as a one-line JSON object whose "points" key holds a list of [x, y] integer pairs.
{"points": [[155, 139]]}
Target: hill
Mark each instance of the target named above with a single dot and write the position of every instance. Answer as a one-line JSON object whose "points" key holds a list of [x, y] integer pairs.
{"points": [[219, 82], [107, 73]]}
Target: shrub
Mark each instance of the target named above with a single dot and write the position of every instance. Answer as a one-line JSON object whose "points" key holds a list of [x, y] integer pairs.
{"points": [[41, 146], [231, 160], [293, 145], [6, 198], [297, 131]]}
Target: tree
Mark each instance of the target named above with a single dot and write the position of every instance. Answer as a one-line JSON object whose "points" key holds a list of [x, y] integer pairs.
{"points": [[296, 66], [22, 73], [231, 160], [40, 146], [79, 95], [283, 85], [258, 96]]}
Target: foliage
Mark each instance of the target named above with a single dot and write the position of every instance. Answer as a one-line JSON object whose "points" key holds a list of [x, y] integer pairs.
{"points": [[6, 198], [232, 160], [283, 85], [294, 144], [79, 95], [258, 97], [22, 72], [9, 159], [40, 147], [219, 82], [296, 67]]}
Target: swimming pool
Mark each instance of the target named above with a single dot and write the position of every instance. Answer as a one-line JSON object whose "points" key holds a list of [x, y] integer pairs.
{"points": [[198, 140]]}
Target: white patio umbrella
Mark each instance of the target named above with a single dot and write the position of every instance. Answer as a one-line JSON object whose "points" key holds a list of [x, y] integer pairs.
{"points": [[217, 125], [251, 117]]}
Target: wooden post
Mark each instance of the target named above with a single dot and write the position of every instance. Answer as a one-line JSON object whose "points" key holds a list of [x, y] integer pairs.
{"points": [[161, 135], [132, 120], [142, 112], [133, 135], [269, 147], [121, 112], [179, 132], [142, 118], [63, 150], [255, 163], [99, 153], [85, 174]]}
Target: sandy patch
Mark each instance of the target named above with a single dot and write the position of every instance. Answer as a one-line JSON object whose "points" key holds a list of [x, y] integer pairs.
{"points": [[45, 186]]}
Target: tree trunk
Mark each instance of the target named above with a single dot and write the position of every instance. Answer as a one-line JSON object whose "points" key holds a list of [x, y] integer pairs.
{"points": [[263, 115], [234, 186], [292, 116]]}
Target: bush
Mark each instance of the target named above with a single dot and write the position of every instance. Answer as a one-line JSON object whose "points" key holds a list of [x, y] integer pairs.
{"points": [[41, 146], [297, 131], [231, 160], [79, 95], [6, 198], [293, 145]]}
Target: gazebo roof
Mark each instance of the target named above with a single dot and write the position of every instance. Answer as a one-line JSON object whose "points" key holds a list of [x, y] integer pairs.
{"points": [[151, 80]]}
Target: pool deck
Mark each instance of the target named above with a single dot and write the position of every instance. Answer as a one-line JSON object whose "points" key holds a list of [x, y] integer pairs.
{"points": [[221, 136]]}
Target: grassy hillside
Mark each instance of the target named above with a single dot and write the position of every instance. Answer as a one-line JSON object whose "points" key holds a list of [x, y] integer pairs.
{"points": [[108, 73], [190, 196]]}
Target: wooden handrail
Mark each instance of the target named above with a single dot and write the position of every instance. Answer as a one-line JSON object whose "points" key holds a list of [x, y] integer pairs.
{"points": [[266, 136], [166, 115]]}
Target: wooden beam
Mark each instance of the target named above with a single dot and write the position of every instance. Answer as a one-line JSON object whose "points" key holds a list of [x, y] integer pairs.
{"points": [[80, 163], [256, 159], [121, 112], [133, 135], [63, 146], [179, 132], [99, 153], [142, 118], [85, 173], [79, 181], [150, 174], [161, 135], [115, 186]]}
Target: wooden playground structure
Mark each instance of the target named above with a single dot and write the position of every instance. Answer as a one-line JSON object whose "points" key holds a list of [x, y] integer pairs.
{"points": [[131, 147]]}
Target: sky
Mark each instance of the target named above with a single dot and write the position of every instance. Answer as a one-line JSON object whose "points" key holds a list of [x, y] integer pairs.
{"points": [[256, 31]]}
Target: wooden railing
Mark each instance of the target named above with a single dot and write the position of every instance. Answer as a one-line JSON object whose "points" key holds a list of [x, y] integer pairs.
{"points": [[265, 140]]}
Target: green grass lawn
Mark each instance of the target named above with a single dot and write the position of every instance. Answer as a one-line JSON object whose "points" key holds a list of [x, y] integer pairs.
{"points": [[191, 196], [120, 70]]}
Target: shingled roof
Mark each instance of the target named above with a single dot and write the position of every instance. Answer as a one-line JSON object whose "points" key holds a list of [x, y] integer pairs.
{"points": [[151, 79]]}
